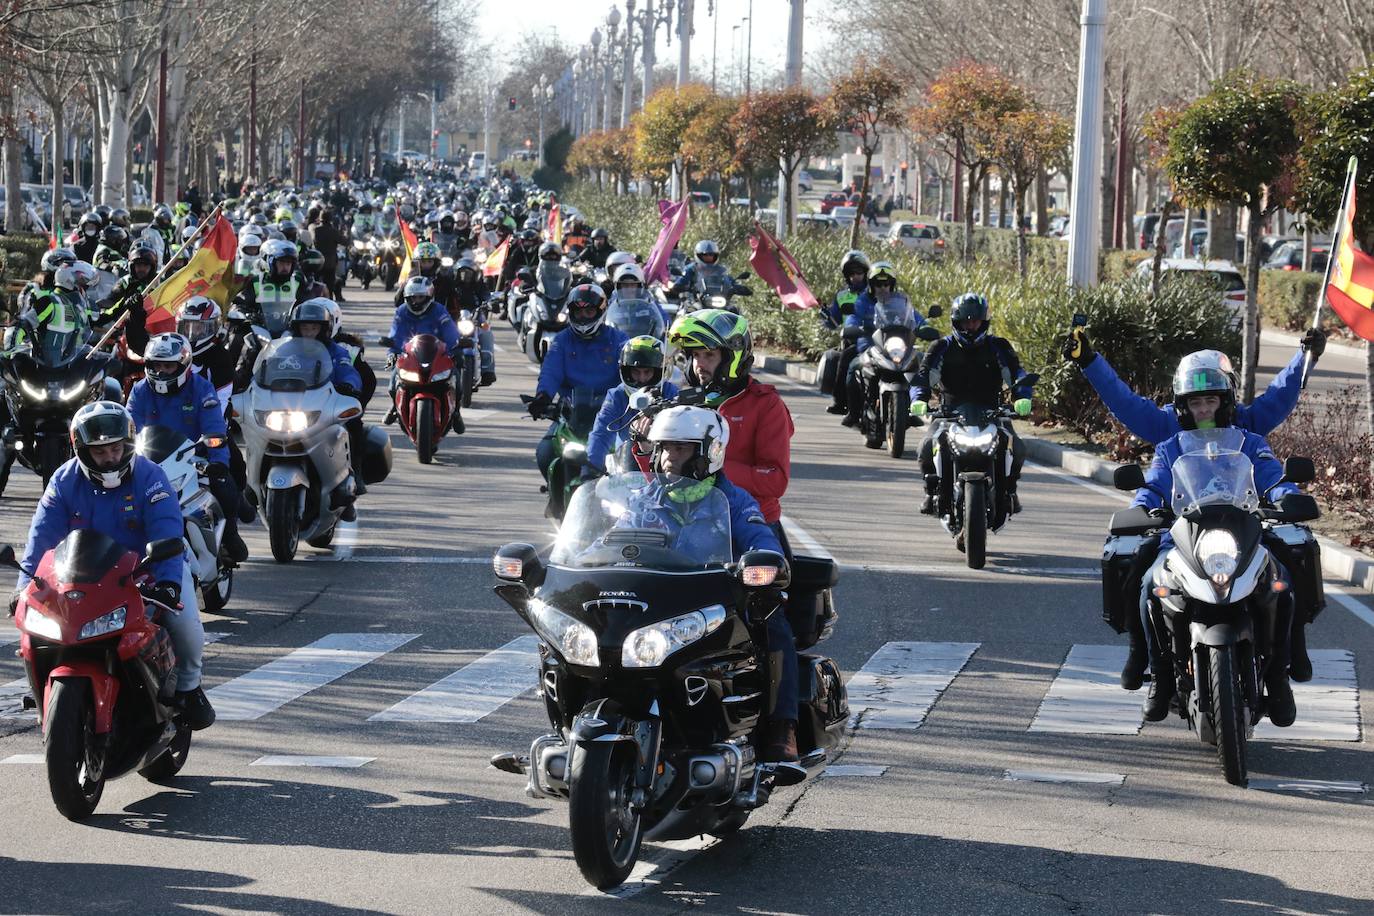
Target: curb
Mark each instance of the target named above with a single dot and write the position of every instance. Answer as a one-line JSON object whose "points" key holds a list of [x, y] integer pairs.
{"points": [[1341, 564]]}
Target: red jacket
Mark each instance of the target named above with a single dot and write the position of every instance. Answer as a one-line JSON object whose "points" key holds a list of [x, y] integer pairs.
{"points": [[759, 456]]}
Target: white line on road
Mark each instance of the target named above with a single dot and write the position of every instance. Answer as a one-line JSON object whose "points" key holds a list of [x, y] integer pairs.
{"points": [[812, 546], [10, 637], [1312, 786], [416, 558], [475, 691], [1116, 495], [900, 683], [1064, 777], [650, 872], [214, 636], [345, 539], [854, 769], [23, 759], [260, 691], [1086, 697], [477, 416], [1328, 705], [287, 760], [1351, 604]]}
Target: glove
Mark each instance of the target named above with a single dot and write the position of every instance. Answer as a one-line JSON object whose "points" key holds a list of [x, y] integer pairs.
{"points": [[538, 405], [919, 408], [391, 360], [1077, 348], [217, 470], [1022, 406], [14, 600], [168, 593], [590, 473], [346, 390], [1314, 342]]}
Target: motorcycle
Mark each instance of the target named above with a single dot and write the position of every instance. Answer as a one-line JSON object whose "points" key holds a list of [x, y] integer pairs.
{"points": [[886, 372], [544, 314], [636, 317], [714, 288], [1220, 585], [575, 415], [471, 323], [296, 448], [655, 675], [203, 516], [425, 399], [973, 459], [364, 262], [387, 265], [103, 671], [341, 265]]}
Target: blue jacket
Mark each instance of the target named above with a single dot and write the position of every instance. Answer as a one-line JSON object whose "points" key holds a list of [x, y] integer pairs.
{"points": [[865, 315], [1160, 476], [613, 423], [688, 281], [748, 531], [141, 509], [436, 321], [573, 362], [1146, 419], [194, 410]]}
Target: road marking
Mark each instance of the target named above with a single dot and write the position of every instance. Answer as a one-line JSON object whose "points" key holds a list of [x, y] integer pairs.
{"points": [[23, 759], [900, 683], [1117, 495], [474, 691], [1065, 777], [413, 558], [1351, 604], [1328, 705], [532, 367], [287, 760], [8, 638], [345, 539], [650, 872], [476, 416], [1312, 786], [1077, 572], [1086, 697], [854, 769], [812, 546], [262, 690], [214, 636]]}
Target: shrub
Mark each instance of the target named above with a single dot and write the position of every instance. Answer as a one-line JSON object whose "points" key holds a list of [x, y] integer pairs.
{"points": [[1287, 299], [23, 252], [141, 215]]}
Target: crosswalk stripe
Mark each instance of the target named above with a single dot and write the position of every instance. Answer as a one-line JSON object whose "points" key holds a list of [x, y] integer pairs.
{"points": [[475, 691], [288, 760], [264, 689], [899, 684], [1328, 705], [1086, 697]]}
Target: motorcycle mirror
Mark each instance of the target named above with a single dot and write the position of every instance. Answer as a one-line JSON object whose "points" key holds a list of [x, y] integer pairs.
{"points": [[762, 569], [640, 400], [1128, 477], [157, 551], [927, 333], [935, 311], [518, 562], [212, 441], [744, 275], [7, 557], [1299, 470]]}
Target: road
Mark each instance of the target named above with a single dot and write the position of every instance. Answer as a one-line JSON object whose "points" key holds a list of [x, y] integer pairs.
{"points": [[983, 676]]}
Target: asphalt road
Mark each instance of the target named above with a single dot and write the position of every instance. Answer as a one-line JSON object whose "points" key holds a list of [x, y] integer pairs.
{"points": [[923, 820]]}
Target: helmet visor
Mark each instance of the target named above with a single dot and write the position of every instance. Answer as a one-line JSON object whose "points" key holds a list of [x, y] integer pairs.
{"points": [[103, 429], [194, 329], [1194, 379]]}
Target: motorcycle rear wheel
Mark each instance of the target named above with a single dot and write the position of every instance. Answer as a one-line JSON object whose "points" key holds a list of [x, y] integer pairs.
{"points": [[975, 524], [606, 833], [1229, 714], [74, 779], [172, 760], [283, 526], [217, 595], [424, 431]]}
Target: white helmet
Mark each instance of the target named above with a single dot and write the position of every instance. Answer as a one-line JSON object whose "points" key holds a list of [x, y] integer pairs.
{"points": [[617, 259], [698, 425], [335, 318], [628, 272]]}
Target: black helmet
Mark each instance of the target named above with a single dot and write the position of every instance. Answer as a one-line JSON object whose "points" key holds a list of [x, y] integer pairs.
{"points": [[529, 239], [550, 251], [466, 270], [93, 220], [115, 237], [312, 310], [119, 216], [312, 262], [106, 214], [584, 297], [599, 234], [970, 307]]}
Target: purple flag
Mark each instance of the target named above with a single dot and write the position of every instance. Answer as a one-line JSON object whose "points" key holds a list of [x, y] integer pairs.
{"points": [[674, 217]]}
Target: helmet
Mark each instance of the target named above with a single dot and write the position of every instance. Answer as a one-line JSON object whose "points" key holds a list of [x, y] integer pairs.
{"points": [[717, 329], [466, 269], [316, 310], [426, 251], [115, 237], [460, 221], [283, 215], [704, 249], [1205, 372], [698, 425], [445, 216], [365, 207], [628, 272], [529, 239], [274, 250], [601, 235], [335, 317], [106, 214], [57, 257], [148, 251], [119, 216], [881, 272], [162, 216], [91, 221], [289, 229], [586, 295], [550, 251], [617, 259], [84, 273], [167, 348], [853, 258], [969, 307], [66, 277], [642, 352], [418, 294], [312, 262], [103, 423], [198, 320]]}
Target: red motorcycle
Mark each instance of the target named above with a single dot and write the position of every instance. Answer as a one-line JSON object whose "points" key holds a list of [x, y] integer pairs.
{"points": [[425, 399], [103, 668]]}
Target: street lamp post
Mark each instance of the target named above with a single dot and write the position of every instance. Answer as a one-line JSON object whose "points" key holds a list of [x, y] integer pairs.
{"points": [[648, 49], [612, 22], [1085, 214], [627, 92], [684, 42], [787, 189], [597, 87]]}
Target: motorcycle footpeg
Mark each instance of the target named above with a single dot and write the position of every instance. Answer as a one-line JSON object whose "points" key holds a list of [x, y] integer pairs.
{"points": [[518, 764], [784, 773]]}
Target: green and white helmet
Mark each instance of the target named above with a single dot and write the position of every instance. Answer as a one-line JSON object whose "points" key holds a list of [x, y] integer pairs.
{"points": [[717, 329]]}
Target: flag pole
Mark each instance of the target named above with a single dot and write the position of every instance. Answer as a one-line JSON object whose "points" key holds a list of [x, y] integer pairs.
{"points": [[1350, 170]]}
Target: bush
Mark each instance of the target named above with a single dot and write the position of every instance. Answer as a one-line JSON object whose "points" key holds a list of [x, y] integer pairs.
{"points": [[1330, 428], [23, 252], [1287, 299]]}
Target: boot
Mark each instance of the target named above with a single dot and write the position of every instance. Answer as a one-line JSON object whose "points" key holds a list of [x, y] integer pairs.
{"points": [[932, 491], [488, 379], [1299, 664], [851, 420], [459, 427], [836, 409], [782, 743], [196, 710], [391, 416], [1156, 706], [1281, 706], [233, 546], [1133, 674], [1014, 502]]}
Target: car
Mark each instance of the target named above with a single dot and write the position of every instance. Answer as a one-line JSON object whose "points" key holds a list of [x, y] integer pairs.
{"points": [[1288, 256], [923, 238], [76, 199], [846, 215], [817, 221], [1059, 226], [738, 202], [766, 216], [702, 199], [40, 198], [804, 182], [832, 200], [1225, 274]]}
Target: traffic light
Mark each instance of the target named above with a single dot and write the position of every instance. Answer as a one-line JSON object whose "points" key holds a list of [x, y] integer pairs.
{"points": [[513, 103]]}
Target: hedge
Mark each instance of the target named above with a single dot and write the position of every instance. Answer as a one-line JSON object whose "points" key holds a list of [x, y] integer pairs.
{"points": [[23, 252]]}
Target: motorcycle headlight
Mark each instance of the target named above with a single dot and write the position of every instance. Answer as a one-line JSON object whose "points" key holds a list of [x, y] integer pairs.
{"points": [[40, 624], [408, 375], [980, 438], [562, 317], [440, 376], [1218, 553], [32, 392], [359, 245], [285, 421], [574, 451], [896, 348], [649, 647], [573, 639], [446, 262], [466, 327], [389, 244], [74, 391], [719, 302], [106, 623]]}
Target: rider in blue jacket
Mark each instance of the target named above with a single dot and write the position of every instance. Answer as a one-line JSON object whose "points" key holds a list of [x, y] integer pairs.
{"points": [[705, 257], [421, 313], [109, 489], [313, 319], [641, 366], [863, 321], [171, 394], [586, 354]]}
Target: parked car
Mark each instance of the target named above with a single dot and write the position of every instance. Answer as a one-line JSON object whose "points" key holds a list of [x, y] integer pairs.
{"points": [[817, 221], [832, 200], [923, 238], [1288, 256], [703, 199], [845, 215], [804, 181], [76, 200], [738, 202], [40, 198], [1225, 274], [767, 216]]}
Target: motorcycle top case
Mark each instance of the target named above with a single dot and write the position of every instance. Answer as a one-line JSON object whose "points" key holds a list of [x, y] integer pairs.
{"points": [[1123, 567], [810, 606], [828, 371], [376, 456], [824, 704], [1302, 557]]}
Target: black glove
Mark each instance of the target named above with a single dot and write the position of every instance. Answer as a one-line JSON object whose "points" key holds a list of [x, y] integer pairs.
{"points": [[590, 472], [168, 593], [1314, 342], [391, 360], [217, 470], [346, 390], [1078, 348], [14, 600], [538, 404]]}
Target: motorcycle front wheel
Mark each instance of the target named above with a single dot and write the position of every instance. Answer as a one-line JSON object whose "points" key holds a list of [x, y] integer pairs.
{"points": [[283, 525], [52, 454], [606, 832], [975, 532], [76, 775], [899, 403], [424, 431], [1229, 713]]}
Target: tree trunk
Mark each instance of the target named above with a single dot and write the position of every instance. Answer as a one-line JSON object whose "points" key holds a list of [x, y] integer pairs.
{"points": [[920, 185], [1221, 232], [985, 203], [858, 226], [1022, 255], [1369, 389], [974, 179], [14, 177], [1249, 355], [59, 142], [1165, 210], [1002, 203], [115, 179], [1042, 202], [940, 214]]}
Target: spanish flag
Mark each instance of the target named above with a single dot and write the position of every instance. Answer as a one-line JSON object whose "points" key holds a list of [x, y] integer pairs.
{"points": [[209, 273], [1350, 289], [410, 241], [496, 261]]}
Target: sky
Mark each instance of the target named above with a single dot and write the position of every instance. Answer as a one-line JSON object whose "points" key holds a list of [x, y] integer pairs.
{"points": [[575, 20]]}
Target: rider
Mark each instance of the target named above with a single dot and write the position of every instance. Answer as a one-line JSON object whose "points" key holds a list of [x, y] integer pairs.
{"points": [[420, 314], [172, 395], [88, 236], [145, 259], [426, 261], [854, 268], [882, 288], [311, 319], [112, 254], [1205, 399], [470, 293], [312, 263], [598, 251], [583, 355], [970, 366], [276, 280], [109, 489], [524, 253], [705, 258], [641, 366]]}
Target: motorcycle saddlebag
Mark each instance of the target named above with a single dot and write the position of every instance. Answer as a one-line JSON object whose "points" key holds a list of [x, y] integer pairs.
{"points": [[376, 456], [828, 371], [1122, 571], [1302, 557], [810, 606], [823, 709]]}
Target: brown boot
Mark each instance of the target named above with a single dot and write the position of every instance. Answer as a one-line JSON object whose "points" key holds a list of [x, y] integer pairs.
{"points": [[782, 742]]}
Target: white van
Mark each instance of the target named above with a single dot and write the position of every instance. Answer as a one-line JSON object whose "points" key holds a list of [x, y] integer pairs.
{"points": [[477, 164]]}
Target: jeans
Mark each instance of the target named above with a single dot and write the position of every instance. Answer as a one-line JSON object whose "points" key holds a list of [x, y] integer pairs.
{"points": [[188, 636]]}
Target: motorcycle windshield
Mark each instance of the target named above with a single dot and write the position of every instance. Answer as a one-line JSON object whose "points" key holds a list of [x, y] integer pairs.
{"points": [[103, 287], [648, 521], [1213, 471], [293, 364], [554, 280], [636, 317], [713, 280], [580, 408], [896, 312], [85, 556], [276, 314], [158, 443], [425, 348], [58, 340]]}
